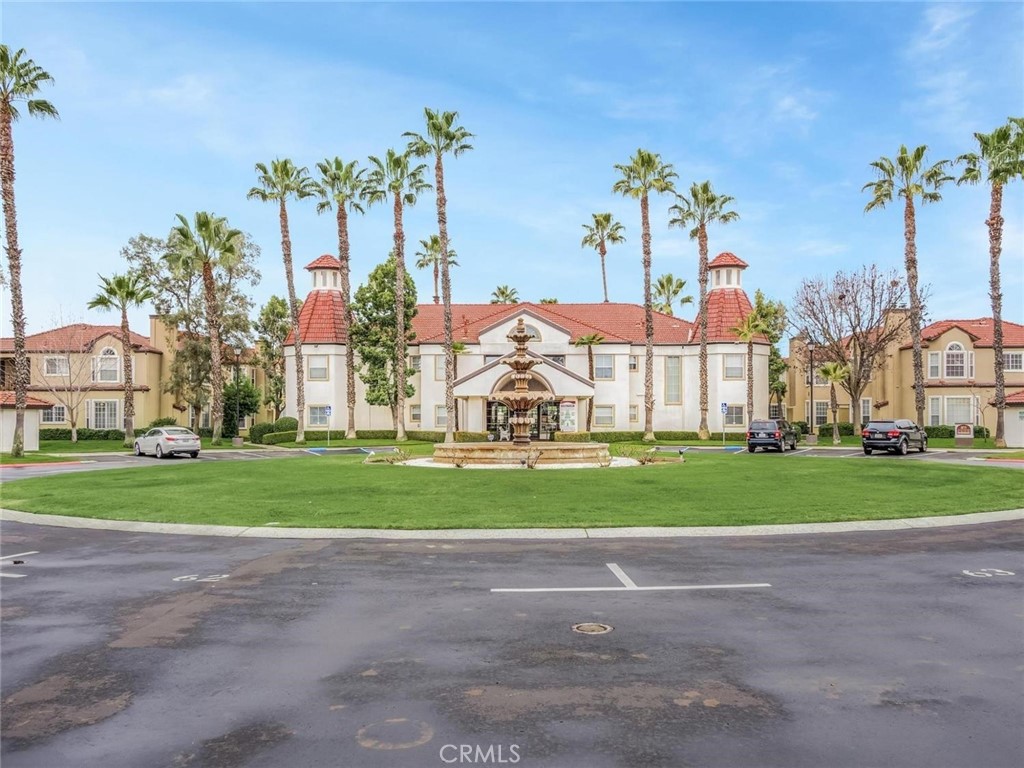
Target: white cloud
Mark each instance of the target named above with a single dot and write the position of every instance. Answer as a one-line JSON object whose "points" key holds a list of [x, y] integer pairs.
{"points": [[943, 26]]}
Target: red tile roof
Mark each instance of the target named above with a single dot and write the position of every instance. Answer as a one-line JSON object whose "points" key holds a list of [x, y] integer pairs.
{"points": [[728, 260], [80, 336], [322, 319], [324, 262], [980, 330], [727, 308], [1017, 398], [7, 401]]}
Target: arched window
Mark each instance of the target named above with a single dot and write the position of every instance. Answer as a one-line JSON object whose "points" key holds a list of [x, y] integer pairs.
{"points": [[956, 361], [534, 333], [106, 368]]}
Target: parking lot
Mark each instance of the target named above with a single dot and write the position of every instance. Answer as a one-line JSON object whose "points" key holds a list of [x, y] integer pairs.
{"points": [[896, 648]]}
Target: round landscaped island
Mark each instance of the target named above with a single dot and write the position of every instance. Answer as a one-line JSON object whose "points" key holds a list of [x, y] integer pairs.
{"points": [[510, 454]]}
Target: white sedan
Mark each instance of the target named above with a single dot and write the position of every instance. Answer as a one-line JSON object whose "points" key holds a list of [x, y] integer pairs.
{"points": [[167, 441]]}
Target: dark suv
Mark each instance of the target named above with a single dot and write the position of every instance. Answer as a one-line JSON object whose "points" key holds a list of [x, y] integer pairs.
{"points": [[771, 433], [895, 436]]}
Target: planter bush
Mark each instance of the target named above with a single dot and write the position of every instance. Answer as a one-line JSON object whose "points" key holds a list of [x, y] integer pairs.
{"points": [[469, 437], [84, 433], [677, 435], [166, 421], [573, 437], [845, 429], [803, 426], [286, 424], [273, 438], [376, 434], [424, 435], [257, 431]]}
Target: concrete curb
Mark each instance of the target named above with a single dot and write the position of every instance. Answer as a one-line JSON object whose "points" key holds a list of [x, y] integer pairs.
{"points": [[64, 521]]}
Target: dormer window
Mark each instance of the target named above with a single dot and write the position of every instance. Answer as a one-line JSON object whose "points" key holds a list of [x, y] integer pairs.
{"points": [[105, 368]]}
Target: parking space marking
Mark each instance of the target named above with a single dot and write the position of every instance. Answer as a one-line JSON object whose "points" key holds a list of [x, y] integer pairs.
{"points": [[630, 586], [11, 557], [799, 451]]}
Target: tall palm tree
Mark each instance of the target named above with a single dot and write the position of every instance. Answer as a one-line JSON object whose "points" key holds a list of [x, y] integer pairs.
{"points": [[749, 329], [604, 230], [396, 178], [458, 348], [908, 177], [121, 292], [645, 173], [20, 80], [704, 206], [505, 295], [341, 186], [999, 160], [430, 256], [590, 341], [443, 137], [279, 183], [834, 373], [666, 290], [199, 246]]}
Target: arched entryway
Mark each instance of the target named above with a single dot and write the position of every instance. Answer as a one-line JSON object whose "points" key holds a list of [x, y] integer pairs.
{"points": [[544, 421]]}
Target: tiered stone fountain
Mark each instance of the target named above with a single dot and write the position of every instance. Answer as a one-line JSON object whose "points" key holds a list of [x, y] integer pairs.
{"points": [[522, 451]]}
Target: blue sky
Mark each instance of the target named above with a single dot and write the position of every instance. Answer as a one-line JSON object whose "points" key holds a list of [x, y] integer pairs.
{"points": [[167, 107]]}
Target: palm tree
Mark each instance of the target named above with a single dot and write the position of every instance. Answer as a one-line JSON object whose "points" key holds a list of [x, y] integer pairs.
{"points": [[834, 373], [121, 292], [20, 80], [430, 256], [701, 208], [749, 329], [646, 173], [604, 230], [505, 295], [1000, 160], [281, 181], [666, 289], [443, 137], [908, 177], [551, 300], [341, 185], [589, 342], [458, 348], [198, 247], [394, 176]]}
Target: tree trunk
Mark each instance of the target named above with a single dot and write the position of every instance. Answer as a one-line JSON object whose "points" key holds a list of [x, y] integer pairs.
{"points": [[216, 369], [834, 403], [750, 381], [437, 274], [293, 305], [399, 321], [346, 304], [590, 405], [910, 257], [604, 277], [446, 297], [22, 373], [995, 247], [703, 433], [126, 367], [74, 427], [649, 323]]}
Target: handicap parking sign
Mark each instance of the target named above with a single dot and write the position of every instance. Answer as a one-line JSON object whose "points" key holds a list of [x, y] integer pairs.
{"points": [[328, 410], [725, 408]]}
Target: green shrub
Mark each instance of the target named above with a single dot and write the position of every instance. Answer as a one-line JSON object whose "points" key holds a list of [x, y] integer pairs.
{"points": [[273, 438], [573, 437], [375, 434], [84, 433], [730, 437], [802, 426], [286, 424], [949, 431], [617, 437], [257, 431], [163, 421], [677, 435], [845, 428], [469, 437], [425, 436]]}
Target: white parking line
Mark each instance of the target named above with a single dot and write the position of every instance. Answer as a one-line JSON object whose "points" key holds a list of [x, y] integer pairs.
{"points": [[630, 586], [11, 557], [799, 451], [621, 576]]}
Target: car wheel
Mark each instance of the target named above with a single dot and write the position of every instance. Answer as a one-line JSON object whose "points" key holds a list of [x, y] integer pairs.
{"points": [[782, 446], [792, 445], [138, 451], [903, 448], [924, 445], [194, 454], [867, 451], [159, 452], [751, 449]]}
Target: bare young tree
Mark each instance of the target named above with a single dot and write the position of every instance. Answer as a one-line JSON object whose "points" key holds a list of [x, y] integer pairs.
{"points": [[852, 318], [65, 369]]}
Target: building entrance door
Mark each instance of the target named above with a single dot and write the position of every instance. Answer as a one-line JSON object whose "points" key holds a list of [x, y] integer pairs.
{"points": [[543, 421]]}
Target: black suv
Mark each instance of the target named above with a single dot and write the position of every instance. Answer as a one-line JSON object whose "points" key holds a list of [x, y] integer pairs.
{"points": [[771, 433], [895, 436]]}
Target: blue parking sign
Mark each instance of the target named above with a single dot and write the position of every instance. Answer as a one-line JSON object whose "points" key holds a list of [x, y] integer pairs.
{"points": [[328, 410], [725, 408]]}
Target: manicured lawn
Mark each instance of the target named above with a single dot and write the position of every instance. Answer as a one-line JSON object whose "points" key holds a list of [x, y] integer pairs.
{"points": [[32, 458], [341, 491], [115, 446], [825, 441]]}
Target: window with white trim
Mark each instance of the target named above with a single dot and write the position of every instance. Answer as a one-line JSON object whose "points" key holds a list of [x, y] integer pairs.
{"points": [[1013, 361], [604, 367], [865, 409], [960, 410], [438, 367], [734, 416], [532, 330], [934, 365], [673, 380], [956, 361], [634, 363], [102, 414], [56, 414], [820, 412], [774, 411], [934, 411], [634, 413], [318, 416], [734, 366], [819, 380], [415, 412], [415, 362], [604, 415], [56, 366], [317, 367], [106, 369], [440, 416], [556, 359]]}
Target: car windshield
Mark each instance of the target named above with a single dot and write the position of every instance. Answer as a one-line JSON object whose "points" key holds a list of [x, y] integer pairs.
{"points": [[180, 432], [881, 426], [762, 425]]}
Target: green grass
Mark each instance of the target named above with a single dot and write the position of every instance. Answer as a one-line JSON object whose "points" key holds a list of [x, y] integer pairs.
{"points": [[32, 458], [853, 441], [341, 491], [115, 446]]}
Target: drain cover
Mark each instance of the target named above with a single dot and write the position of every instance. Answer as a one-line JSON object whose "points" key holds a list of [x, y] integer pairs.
{"points": [[591, 628]]}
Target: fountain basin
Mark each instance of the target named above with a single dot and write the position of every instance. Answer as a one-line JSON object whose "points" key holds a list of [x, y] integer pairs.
{"points": [[497, 454]]}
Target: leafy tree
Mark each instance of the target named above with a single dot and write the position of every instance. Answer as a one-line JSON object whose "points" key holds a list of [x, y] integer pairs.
{"points": [[342, 185], [20, 80], [908, 177], [119, 293], [598, 235], [374, 334], [281, 182], [430, 256], [272, 327], [749, 329], [773, 318], [703, 207], [645, 173], [505, 295], [999, 160], [241, 399], [590, 341], [834, 373], [666, 290], [549, 301], [395, 178], [444, 137], [200, 245]]}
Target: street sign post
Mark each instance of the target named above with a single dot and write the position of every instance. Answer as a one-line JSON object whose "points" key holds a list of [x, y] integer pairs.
{"points": [[328, 410], [725, 410]]}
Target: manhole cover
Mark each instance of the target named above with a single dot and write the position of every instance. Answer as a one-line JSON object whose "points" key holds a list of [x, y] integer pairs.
{"points": [[591, 628]]}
